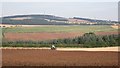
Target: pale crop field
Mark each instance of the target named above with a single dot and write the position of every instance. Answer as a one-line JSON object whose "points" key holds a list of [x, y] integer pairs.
{"points": [[61, 28]]}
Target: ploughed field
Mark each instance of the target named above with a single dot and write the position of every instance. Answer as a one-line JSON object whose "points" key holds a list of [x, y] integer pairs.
{"points": [[49, 32], [41, 36], [46, 57]]}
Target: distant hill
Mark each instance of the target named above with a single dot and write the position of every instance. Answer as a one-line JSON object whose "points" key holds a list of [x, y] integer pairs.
{"points": [[97, 21], [51, 17], [49, 20], [34, 20]]}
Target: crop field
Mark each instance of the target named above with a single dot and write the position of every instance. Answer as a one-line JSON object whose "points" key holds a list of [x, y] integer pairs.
{"points": [[61, 28], [49, 32], [46, 57]]}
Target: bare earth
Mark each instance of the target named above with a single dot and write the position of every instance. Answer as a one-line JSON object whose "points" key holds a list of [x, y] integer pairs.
{"points": [[47, 35], [41, 36], [47, 57]]}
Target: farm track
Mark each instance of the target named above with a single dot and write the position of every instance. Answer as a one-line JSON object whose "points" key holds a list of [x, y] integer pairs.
{"points": [[114, 49]]}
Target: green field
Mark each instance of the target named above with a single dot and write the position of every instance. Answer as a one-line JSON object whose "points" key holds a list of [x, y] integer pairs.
{"points": [[64, 28]]}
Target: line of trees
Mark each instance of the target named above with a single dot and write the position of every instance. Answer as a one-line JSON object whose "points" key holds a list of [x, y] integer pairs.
{"points": [[91, 40], [87, 40]]}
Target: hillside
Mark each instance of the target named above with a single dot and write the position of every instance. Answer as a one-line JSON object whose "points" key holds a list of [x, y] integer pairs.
{"points": [[50, 17], [34, 20], [50, 20], [96, 20]]}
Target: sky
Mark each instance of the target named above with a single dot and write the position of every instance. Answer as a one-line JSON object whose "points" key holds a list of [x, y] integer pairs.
{"points": [[96, 10], [59, 0]]}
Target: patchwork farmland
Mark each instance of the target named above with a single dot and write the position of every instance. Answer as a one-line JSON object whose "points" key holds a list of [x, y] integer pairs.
{"points": [[59, 35], [49, 32], [47, 57]]}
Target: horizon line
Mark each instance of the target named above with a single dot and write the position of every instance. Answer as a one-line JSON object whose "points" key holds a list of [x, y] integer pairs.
{"points": [[55, 15]]}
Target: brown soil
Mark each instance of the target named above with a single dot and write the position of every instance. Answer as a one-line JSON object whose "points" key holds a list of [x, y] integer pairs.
{"points": [[40, 36], [45, 57], [106, 33], [48, 36]]}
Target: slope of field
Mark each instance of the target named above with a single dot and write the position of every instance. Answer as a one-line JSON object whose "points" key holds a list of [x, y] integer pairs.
{"points": [[38, 57]]}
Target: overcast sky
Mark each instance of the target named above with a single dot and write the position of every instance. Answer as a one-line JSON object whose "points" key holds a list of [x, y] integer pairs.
{"points": [[59, 0], [97, 10]]}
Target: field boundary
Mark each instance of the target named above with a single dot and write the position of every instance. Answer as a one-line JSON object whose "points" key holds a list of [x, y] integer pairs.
{"points": [[115, 49]]}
